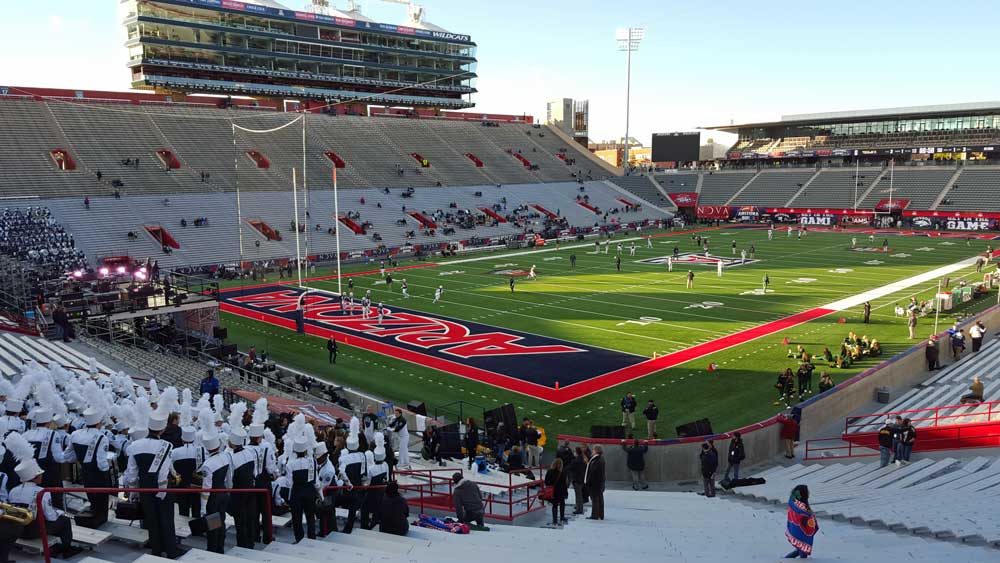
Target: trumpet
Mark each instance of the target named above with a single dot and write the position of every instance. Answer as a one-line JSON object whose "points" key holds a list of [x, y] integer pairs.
{"points": [[15, 514], [173, 479]]}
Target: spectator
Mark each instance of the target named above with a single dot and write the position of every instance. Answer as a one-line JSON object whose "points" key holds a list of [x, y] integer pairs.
{"points": [[957, 343], [932, 354], [977, 332], [86, 202], [209, 384], [577, 469], [976, 396], [897, 428], [911, 321], [802, 526], [432, 442], [825, 382], [907, 437], [468, 500], [557, 478], [471, 440], [651, 412], [709, 459], [532, 453], [628, 411], [635, 456], [565, 453], [736, 455], [61, 319], [789, 428], [885, 442], [394, 512], [593, 478]]}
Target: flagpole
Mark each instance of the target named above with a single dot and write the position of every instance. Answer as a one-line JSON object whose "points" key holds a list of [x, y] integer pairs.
{"points": [[336, 232]]}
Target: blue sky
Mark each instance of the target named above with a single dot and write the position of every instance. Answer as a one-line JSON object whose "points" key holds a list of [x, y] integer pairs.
{"points": [[702, 63]]}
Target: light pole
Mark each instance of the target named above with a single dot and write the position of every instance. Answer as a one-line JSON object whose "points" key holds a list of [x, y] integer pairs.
{"points": [[628, 41]]}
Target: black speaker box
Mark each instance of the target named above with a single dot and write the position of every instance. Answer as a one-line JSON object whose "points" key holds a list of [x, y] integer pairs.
{"points": [[608, 432], [220, 332], [451, 441], [417, 407], [695, 428]]}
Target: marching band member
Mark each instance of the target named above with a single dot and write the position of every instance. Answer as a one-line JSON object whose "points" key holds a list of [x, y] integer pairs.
{"points": [[327, 477], [149, 468], [186, 461], [245, 462], [353, 471], [56, 522], [89, 447], [267, 466], [378, 475], [216, 473], [305, 489]]}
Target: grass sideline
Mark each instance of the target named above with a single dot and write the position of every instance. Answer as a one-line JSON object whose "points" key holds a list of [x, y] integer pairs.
{"points": [[596, 305]]}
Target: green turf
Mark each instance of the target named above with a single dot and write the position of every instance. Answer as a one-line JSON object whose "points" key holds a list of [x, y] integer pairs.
{"points": [[596, 305]]}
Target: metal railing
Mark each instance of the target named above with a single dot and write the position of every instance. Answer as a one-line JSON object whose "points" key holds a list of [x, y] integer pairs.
{"points": [[40, 513], [932, 414], [984, 435], [498, 506]]}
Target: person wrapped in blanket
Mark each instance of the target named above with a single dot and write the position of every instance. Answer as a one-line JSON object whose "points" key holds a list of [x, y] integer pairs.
{"points": [[802, 525]]}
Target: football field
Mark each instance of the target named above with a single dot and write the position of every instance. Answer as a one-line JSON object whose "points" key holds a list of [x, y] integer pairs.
{"points": [[566, 345]]}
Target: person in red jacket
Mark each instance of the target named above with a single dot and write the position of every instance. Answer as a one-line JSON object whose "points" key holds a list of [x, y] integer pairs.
{"points": [[789, 428]]}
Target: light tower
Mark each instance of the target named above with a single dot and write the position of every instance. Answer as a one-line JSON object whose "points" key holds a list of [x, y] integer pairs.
{"points": [[628, 41]]}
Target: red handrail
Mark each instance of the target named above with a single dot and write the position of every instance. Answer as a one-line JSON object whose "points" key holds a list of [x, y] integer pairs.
{"points": [[936, 411], [40, 513], [967, 436]]}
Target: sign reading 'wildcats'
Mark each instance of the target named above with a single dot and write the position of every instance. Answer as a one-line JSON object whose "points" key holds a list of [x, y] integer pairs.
{"points": [[469, 349]]}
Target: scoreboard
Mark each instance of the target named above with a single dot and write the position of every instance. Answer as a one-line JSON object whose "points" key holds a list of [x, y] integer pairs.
{"points": [[675, 147]]}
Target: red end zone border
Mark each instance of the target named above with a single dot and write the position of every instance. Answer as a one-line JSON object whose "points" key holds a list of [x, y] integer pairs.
{"points": [[557, 396]]}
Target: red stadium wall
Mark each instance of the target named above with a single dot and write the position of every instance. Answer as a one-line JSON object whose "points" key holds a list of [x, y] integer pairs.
{"points": [[130, 97]]}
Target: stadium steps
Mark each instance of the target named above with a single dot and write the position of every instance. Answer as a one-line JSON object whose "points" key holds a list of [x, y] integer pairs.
{"points": [[803, 189], [871, 187], [28, 168], [933, 498], [834, 188], [102, 136], [644, 188], [218, 242], [920, 186], [719, 187], [679, 182], [977, 188], [947, 188], [742, 188], [600, 170], [772, 188], [945, 387]]}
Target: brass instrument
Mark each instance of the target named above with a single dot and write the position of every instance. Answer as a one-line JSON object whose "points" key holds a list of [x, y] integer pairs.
{"points": [[173, 479], [16, 514], [197, 480]]}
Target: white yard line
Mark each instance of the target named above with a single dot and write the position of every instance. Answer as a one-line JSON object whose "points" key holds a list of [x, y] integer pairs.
{"points": [[900, 285]]}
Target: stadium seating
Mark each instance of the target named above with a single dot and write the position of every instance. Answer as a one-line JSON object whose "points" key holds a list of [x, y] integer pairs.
{"points": [[219, 241], [976, 189], [835, 188], [920, 186], [773, 188], [717, 188], [934, 497], [375, 150], [677, 183], [643, 187], [945, 388]]}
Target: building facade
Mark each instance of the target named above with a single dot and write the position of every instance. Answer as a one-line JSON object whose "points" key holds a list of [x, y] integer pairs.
{"points": [[260, 48]]}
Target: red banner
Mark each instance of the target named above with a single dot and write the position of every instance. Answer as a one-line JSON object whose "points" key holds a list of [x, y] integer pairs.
{"points": [[714, 212], [684, 199], [892, 204]]}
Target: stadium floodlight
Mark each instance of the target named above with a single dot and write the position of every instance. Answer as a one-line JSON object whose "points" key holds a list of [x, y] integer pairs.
{"points": [[628, 40]]}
